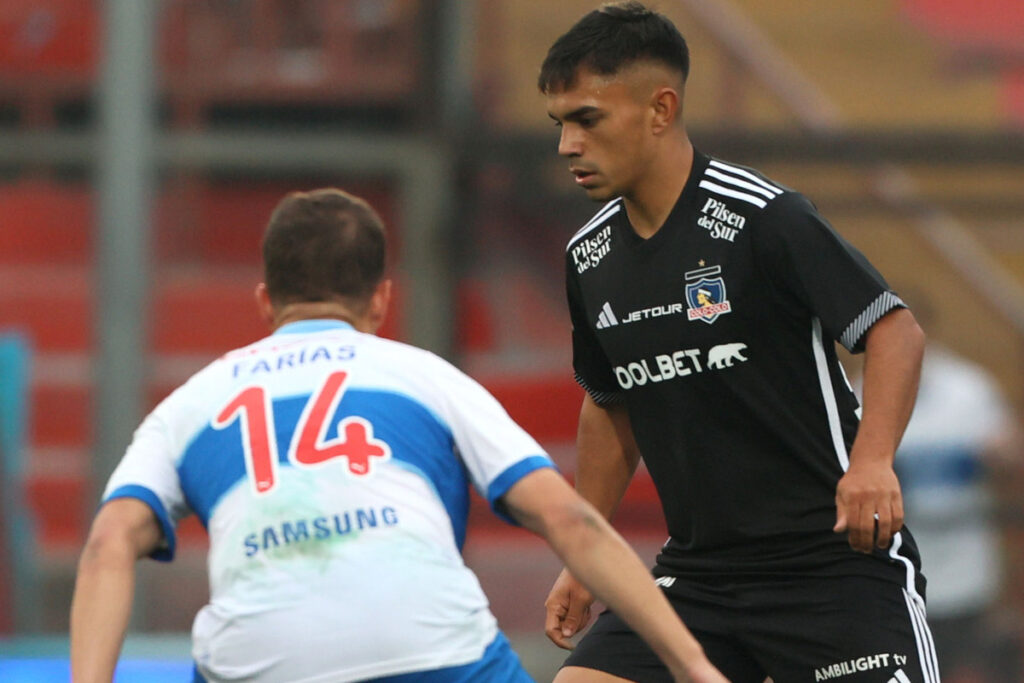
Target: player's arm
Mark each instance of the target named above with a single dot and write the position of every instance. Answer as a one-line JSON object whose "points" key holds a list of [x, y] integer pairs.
{"points": [[607, 456], [544, 503], [124, 530], [607, 453], [893, 351]]}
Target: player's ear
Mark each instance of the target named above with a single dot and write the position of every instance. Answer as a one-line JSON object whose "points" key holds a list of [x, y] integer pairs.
{"points": [[666, 106], [263, 304], [379, 303]]}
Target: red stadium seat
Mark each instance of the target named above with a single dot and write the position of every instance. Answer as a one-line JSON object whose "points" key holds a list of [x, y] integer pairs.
{"points": [[195, 311], [58, 506], [222, 222], [1013, 94], [547, 407], [52, 305], [991, 23], [345, 52], [283, 51], [989, 33], [55, 38], [475, 323], [48, 55], [61, 416], [45, 223]]}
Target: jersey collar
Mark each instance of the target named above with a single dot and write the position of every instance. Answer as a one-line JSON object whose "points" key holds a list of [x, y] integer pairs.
{"points": [[317, 325]]}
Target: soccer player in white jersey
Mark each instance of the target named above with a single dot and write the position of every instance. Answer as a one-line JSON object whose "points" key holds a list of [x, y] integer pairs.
{"points": [[331, 469]]}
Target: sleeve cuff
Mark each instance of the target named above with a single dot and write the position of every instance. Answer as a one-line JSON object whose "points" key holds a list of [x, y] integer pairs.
{"points": [[601, 398], [504, 481], [854, 333], [165, 553]]}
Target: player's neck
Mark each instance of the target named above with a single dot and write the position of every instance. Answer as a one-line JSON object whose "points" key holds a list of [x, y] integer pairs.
{"points": [[655, 195], [318, 310]]}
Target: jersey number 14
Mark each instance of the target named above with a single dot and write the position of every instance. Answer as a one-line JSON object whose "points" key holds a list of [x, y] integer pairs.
{"points": [[309, 443]]}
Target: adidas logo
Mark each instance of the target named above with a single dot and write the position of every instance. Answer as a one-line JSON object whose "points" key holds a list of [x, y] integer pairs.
{"points": [[665, 581], [606, 318], [899, 677]]}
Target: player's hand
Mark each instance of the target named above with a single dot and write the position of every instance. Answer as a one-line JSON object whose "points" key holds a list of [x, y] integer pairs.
{"points": [[568, 610], [869, 506]]}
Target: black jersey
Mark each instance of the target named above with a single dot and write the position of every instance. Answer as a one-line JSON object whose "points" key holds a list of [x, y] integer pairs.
{"points": [[718, 335]]}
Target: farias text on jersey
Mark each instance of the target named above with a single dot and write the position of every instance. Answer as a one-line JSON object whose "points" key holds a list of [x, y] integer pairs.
{"points": [[719, 221], [589, 252]]}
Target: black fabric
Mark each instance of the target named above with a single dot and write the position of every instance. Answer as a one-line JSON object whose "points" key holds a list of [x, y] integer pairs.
{"points": [[793, 629], [718, 333]]}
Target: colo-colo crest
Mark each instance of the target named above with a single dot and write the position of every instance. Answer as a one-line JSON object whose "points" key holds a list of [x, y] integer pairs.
{"points": [[705, 294]]}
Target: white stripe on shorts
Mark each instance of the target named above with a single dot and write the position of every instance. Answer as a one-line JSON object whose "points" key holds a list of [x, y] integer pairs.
{"points": [[923, 636]]}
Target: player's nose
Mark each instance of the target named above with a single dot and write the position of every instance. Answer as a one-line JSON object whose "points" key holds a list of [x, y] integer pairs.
{"points": [[569, 143]]}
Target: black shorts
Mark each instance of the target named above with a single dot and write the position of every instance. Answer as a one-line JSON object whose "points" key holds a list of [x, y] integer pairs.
{"points": [[849, 629]]}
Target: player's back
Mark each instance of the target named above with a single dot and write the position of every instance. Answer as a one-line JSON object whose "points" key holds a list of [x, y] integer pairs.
{"points": [[331, 469]]}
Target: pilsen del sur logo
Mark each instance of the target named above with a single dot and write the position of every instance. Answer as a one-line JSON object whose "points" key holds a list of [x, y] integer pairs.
{"points": [[705, 294]]}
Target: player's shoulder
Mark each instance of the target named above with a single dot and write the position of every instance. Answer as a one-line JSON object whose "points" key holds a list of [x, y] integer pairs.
{"points": [[418, 370], [743, 198], [200, 384], [596, 223], [186, 406], [401, 352], [421, 375], [742, 186]]}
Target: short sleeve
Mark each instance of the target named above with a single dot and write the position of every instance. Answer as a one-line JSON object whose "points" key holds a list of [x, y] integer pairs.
{"points": [[497, 452], [590, 364], [147, 472], [810, 262]]}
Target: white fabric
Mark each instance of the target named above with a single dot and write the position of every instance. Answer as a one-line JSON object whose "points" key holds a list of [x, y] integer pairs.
{"points": [[391, 597], [959, 411]]}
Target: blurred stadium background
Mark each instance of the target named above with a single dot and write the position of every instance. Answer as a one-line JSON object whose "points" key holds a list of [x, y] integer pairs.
{"points": [[144, 142]]}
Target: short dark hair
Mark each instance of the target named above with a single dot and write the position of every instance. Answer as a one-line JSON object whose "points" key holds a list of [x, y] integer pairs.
{"points": [[323, 245], [610, 38]]}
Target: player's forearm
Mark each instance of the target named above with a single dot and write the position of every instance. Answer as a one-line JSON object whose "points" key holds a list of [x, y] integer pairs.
{"points": [[607, 456], [892, 368], [100, 611], [598, 557]]}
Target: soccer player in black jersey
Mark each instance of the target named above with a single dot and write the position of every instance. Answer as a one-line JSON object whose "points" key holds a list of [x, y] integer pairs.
{"points": [[706, 300]]}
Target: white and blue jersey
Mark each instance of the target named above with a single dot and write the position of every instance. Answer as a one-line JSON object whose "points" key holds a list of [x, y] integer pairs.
{"points": [[959, 415], [331, 469]]}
